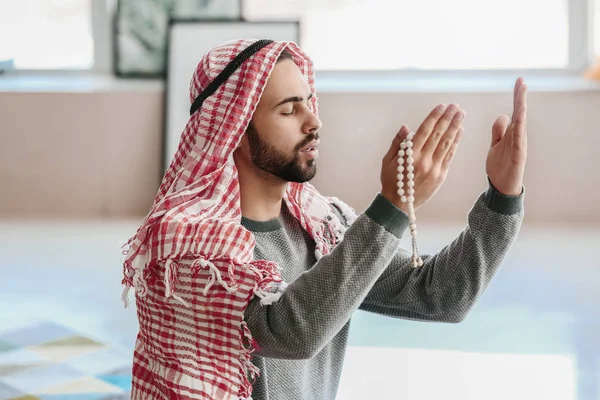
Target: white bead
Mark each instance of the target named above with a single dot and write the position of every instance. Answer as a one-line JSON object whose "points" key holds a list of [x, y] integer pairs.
{"points": [[410, 168], [411, 199], [403, 199], [400, 192], [400, 167], [412, 226], [410, 184], [411, 191], [401, 153], [410, 136], [400, 177], [409, 145], [413, 233], [403, 145], [410, 160], [410, 175], [409, 152]]}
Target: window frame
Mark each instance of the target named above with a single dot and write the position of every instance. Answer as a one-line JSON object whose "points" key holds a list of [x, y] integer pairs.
{"points": [[581, 50], [102, 30]]}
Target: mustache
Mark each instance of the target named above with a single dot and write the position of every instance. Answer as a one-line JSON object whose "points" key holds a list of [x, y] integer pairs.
{"points": [[309, 138]]}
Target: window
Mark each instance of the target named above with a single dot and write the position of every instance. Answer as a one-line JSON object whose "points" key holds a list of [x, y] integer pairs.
{"points": [[409, 34], [340, 35], [596, 24], [46, 35]]}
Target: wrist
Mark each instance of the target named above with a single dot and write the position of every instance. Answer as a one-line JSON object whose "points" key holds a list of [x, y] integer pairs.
{"points": [[395, 200], [511, 192], [506, 191]]}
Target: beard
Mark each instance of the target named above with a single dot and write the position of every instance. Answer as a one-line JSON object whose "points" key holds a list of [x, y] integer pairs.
{"points": [[289, 168]]}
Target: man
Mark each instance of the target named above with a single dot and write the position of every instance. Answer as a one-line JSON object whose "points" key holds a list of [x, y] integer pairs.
{"points": [[246, 276]]}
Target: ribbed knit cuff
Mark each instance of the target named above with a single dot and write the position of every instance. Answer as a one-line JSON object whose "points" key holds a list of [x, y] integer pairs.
{"points": [[386, 214], [503, 204]]}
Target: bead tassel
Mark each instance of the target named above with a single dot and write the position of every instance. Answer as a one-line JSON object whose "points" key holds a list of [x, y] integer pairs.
{"points": [[407, 196]]}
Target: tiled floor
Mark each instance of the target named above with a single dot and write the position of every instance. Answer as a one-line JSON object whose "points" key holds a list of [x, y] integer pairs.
{"points": [[48, 361], [535, 333]]}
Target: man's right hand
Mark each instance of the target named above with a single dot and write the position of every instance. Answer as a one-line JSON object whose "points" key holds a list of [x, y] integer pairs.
{"points": [[434, 146]]}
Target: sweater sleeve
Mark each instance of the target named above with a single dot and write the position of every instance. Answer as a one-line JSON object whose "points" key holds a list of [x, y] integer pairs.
{"points": [[316, 305], [450, 282]]}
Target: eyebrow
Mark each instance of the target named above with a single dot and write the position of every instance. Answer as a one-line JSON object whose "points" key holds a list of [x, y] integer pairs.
{"points": [[294, 99]]}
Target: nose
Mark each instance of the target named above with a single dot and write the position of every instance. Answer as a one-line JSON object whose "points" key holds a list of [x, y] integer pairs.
{"points": [[312, 124]]}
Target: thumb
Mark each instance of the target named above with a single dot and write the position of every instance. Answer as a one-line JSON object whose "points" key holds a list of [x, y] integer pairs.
{"points": [[395, 146], [499, 128]]}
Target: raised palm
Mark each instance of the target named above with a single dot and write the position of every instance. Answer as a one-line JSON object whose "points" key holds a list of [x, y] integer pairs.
{"points": [[505, 164]]}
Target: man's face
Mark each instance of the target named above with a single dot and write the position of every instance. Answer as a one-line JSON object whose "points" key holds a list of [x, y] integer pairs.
{"points": [[283, 135]]}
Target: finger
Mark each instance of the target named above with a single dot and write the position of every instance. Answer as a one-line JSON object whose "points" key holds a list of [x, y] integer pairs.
{"points": [[521, 97], [517, 95], [499, 128], [516, 88], [453, 115], [514, 99], [452, 150], [426, 127], [447, 139], [395, 146], [519, 133]]}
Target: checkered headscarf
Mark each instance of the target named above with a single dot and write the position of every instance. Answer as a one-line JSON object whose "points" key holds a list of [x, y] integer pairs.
{"points": [[191, 261]]}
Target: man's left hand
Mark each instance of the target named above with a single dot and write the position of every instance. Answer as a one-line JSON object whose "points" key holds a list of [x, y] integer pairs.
{"points": [[505, 164]]}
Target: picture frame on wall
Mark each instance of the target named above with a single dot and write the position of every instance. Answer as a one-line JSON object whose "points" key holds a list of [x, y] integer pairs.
{"points": [[187, 42], [140, 31]]}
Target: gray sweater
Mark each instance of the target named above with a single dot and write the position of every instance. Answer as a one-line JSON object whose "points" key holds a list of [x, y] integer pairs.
{"points": [[303, 337]]}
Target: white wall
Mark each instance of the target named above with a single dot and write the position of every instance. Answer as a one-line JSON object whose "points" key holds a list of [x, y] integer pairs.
{"points": [[79, 154], [563, 169], [97, 153]]}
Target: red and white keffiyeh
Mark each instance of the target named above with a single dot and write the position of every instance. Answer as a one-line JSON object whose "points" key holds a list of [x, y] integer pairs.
{"points": [[191, 261]]}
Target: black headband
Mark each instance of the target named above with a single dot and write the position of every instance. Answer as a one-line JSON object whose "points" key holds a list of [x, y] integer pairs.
{"points": [[227, 72]]}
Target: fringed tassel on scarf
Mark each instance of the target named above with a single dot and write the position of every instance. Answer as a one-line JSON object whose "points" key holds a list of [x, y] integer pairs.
{"points": [[171, 281], [268, 288], [347, 212], [251, 371], [133, 278], [128, 274], [215, 274], [273, 296]]}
